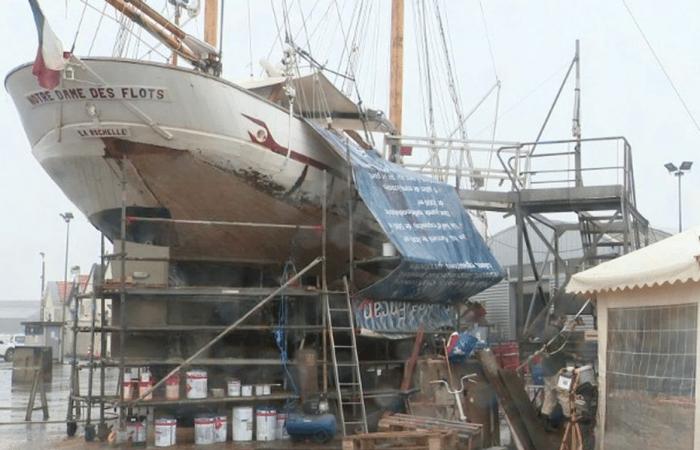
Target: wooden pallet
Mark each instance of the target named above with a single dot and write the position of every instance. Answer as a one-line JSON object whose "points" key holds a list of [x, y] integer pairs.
{"points": [[470, 435], [402, 440]]}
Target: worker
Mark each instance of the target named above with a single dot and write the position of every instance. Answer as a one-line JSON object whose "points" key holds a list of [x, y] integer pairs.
{"points": [[553, 360]]}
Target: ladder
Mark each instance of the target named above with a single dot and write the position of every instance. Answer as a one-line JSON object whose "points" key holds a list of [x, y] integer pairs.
{"points": [[346, 366]]}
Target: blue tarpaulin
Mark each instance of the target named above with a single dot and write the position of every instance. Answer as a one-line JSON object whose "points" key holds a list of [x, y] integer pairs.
{"points": [[444, 259]]}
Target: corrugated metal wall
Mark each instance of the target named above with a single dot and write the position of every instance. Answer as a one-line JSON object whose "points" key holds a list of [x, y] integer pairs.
{"points": [[500, 313]]}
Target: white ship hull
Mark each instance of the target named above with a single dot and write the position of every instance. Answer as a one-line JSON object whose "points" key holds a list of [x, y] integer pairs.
{"points": [[195, 147]]}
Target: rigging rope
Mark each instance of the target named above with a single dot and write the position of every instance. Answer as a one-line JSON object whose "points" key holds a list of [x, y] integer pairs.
{"points": [[661, 66]]}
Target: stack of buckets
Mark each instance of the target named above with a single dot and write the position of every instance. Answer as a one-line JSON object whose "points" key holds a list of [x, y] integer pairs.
{"points": [[268, 424]]}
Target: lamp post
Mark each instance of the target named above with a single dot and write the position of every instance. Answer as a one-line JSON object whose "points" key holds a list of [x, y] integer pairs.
{"points": [[67, 217], [678, 173], [43, 281]]}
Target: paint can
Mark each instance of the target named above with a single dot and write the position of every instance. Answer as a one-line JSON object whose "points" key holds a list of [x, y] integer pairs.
{"points": [[220, 428], [267, 389], [247, 390], [388, 249], [242, 423], [127, 387], [165, 431], [204, 430], [136, 430], [265, 423], [260, 390], [145, 386], [234, 387], [196, 386], [172, 387], [586, 375], [281, 428]]}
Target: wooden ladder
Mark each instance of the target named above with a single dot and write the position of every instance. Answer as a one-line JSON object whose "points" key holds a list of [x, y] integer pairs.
{"points": [[346, 365]]}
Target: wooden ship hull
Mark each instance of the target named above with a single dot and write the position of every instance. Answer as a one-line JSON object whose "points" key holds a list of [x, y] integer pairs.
{"points": [[194, 147]]}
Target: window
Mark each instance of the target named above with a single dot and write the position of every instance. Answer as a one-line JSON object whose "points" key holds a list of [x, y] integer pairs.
{"points": [[651, 356]]}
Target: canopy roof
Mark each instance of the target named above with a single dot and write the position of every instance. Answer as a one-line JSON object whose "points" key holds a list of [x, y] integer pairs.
{"points": [[316, 98], [673, 260]]}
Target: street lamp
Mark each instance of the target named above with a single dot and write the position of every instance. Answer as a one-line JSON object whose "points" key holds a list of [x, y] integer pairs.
{"points": [[67, 217], [678, 173], [43, 281]]}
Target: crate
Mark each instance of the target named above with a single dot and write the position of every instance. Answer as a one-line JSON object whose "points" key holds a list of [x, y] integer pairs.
{"points": [[402, 440]]}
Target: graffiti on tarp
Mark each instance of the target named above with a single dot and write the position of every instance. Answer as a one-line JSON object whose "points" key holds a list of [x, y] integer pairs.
{"points": [[443, 258], [398, 317]]}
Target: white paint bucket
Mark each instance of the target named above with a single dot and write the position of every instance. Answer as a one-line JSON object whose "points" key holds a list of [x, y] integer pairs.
{"points": [[220, 428], [136, 429], [242, 423], [172, 387], [265, 423], [267, 389], [145, 386], [247, 390], [196, 386], [145, 376], [259, 390], [388, 249], [234, 387], [281, 428], [204, 430], [165, 431], [127, 387]]}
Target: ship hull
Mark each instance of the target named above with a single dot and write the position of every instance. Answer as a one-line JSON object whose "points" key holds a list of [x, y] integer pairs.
{"points": [[191, 147]]}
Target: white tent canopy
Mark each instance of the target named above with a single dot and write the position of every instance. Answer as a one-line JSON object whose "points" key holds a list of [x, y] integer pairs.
{"points": [[674, 259]]}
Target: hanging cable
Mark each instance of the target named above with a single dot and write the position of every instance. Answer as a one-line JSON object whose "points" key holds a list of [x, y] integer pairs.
{"points": [[661, 66]]}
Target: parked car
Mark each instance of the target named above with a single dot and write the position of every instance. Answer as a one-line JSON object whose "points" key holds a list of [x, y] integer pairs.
{"points": [[8, 344]]}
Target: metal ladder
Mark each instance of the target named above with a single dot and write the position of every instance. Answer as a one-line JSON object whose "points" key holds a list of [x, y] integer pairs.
{"points": [[349, 391]]}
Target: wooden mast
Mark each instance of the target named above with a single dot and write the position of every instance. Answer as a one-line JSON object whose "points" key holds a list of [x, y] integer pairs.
{"points": [[396, 71], [211, 22]]}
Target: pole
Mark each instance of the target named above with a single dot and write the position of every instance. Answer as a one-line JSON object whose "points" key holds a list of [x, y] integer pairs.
{"points": [[396, 57], [679, 174], [43, 283], [577, 117], [211, 22], [64, 294]]}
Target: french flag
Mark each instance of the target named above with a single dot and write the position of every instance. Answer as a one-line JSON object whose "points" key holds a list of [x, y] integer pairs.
{"points": [[50, 57]]}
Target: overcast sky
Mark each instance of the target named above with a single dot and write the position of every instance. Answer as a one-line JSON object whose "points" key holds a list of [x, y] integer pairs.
{"points": [[624, 92]]}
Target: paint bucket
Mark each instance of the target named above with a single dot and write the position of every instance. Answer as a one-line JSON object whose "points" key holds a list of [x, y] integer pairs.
{"points": [[220, 427], [262, 389], [136, 430], [172, 387], [242, 423], [267, 389], [127, 387], [144, 386], [165, 431], [196, 386], [204, 430], [234, 387], [586, 375], [388, 249], [281, 428], [247, 390], [145, 376], [265, 423]]}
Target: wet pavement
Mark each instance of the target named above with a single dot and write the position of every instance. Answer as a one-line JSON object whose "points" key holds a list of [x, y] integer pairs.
{"points": [[15, 433]]}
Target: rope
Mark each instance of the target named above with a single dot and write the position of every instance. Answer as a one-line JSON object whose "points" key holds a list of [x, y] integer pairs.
{"points": [[77, 30], [661, 66], [280, 333]]}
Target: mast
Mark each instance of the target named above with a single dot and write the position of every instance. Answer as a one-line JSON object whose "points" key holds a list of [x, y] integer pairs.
{"points": [[211, 20], [576, 129], [396, 70]]}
